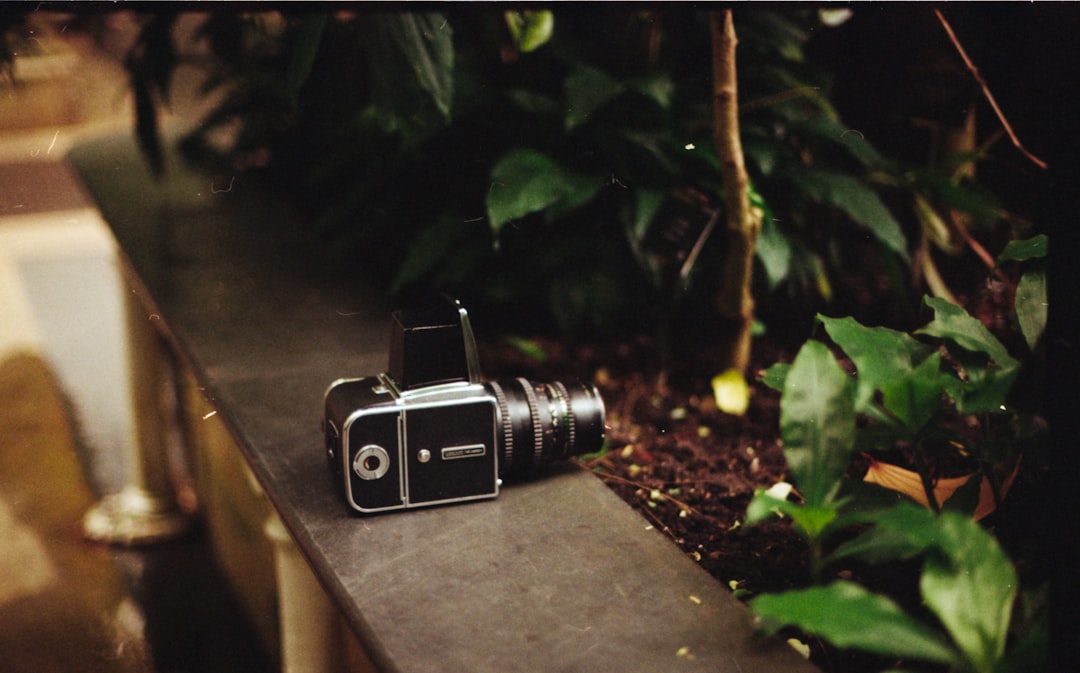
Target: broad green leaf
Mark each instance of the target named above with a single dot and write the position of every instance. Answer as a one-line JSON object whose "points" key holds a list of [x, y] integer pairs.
{"points": [[658, 86], [427, 42], [774, 251], [308, 39], [432, 247], [774, 376], [526, 181], [647, 203], [1021, 251], [858, 200], [817, 422], [970, 586], [587, 90], [885, 360], [916, 396], [954, 323], [412, 57], [811, 521], [1031, 305], [580, 189], [900, 532], [850, 617], [989, 383], [831, 129], [963, 196]]}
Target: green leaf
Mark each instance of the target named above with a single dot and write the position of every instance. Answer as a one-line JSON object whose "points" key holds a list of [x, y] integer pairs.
{"points": [[831, 129], [963, 196], [817, 422], [970, 586], [412, 67], [527, 181], [884, 358], [774, 251], [810, 521], [850, 617], [647, 203], [775, 375], [431, 249], [528, 347], [988, 383], [659, 87], [1031, 305], [855, 198], [535, 103], [308, 38], [900, 532], [1021, 251], [587, 90]]}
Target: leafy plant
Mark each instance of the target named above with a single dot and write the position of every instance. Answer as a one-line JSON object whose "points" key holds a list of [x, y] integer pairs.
{"points": [[967, 583], [905, 390], [522, 161]]}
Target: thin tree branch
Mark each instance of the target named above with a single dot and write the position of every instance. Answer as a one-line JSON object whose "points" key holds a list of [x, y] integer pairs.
{"points": [[736, 301], [986, 91]]}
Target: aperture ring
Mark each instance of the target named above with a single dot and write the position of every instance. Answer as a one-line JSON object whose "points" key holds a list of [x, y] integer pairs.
{"points": [[568, 418]]}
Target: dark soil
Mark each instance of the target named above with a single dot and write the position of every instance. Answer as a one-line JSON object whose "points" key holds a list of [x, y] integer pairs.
{"points": [[691, 470]]}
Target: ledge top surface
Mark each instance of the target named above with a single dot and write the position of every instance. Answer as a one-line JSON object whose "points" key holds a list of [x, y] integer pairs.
{"points": [[556, 574]]}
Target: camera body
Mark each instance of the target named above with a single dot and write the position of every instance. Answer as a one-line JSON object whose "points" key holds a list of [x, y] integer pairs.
{"points": [[430, 432]]}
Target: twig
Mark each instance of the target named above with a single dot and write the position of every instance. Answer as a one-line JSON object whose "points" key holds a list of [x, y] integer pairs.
{"points": [[641, 485], [986, 91], [699, 244]]}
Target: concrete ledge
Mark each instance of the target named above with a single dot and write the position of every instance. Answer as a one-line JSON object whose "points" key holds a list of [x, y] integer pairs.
{"points": [[557, 574]]}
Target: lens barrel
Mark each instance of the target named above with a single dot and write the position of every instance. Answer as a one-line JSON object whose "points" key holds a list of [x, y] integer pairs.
{"points": [[542, 422]]}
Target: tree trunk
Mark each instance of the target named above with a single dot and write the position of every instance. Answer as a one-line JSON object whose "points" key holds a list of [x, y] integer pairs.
{"points": [[735, 301]]}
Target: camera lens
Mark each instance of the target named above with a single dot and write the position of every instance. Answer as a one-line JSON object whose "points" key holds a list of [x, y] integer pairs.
{"points": [[542, 422]]}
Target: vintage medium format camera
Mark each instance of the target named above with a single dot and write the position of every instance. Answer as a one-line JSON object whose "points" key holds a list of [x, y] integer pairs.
{"points": [[430, 432]]}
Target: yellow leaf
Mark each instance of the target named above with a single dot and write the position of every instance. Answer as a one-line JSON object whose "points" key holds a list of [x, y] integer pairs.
{"points": [[731, 392], [910, 484]]}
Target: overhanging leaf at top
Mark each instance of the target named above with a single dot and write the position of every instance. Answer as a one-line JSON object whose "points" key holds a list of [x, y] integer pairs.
{"points": [[412, 64], [308, 39]]}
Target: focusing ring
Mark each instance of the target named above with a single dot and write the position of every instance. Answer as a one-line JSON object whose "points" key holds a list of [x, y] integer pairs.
{"points": [[507, 426], [534, 415]]}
